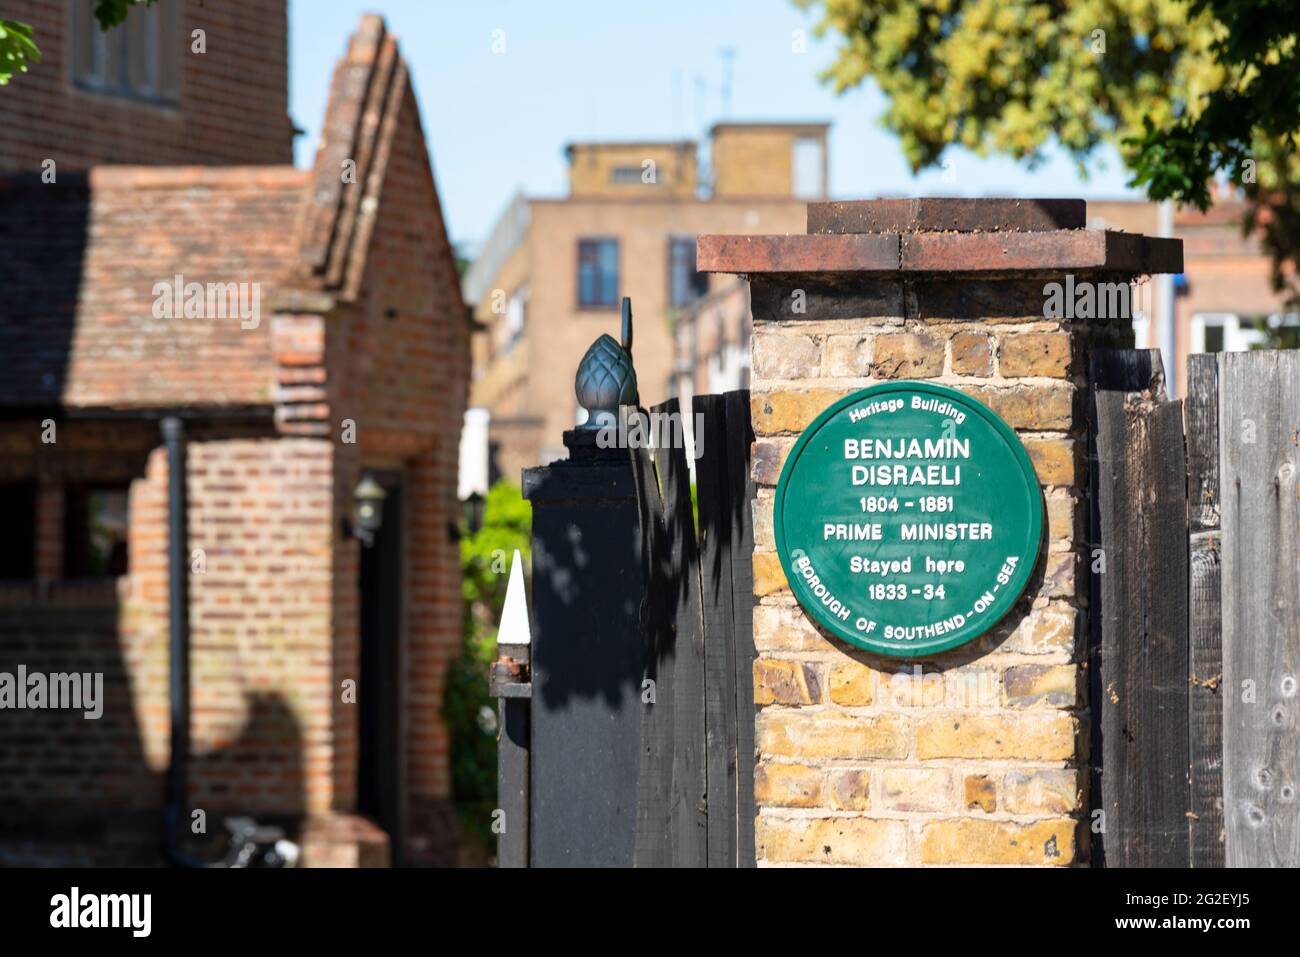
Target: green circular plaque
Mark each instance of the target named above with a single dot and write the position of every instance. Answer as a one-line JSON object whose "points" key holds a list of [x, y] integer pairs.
{"points": [[908, 519]]}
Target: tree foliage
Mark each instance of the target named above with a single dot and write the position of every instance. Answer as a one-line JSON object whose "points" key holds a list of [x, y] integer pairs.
{"points": [[110, 13], [17, 49], [1187, 90], [470, 711]]}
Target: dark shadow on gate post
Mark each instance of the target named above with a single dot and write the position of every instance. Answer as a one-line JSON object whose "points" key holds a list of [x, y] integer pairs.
{"points": [[586, 657]]}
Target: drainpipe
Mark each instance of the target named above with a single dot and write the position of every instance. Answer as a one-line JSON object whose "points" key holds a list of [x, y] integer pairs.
{"points": [[178, 596], [1165, 285]]}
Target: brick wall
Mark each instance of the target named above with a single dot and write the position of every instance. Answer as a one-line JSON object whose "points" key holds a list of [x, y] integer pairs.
{"points": [[974, 759], [975, 755], [262, 737], [400, 369], [233, 103], [58, 761]]}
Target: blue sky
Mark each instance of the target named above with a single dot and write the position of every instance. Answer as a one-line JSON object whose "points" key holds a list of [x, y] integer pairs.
{"points": [[622, 69]]}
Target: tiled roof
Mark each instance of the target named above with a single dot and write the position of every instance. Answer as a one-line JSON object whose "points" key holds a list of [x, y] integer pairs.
{"points": [[84, 263]]}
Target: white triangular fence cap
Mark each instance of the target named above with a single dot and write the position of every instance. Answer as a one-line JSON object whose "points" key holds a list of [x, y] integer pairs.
{"points": [[514, 628]]}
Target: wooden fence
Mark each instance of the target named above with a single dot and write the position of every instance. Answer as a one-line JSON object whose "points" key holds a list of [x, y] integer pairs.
{"points": [[1195, 612], [695, 800]]}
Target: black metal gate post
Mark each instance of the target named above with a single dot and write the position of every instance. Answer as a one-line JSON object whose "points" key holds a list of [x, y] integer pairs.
{"points": [[587, 657]]}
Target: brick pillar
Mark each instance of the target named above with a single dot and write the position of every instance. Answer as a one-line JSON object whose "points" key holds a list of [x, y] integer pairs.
{"points": [[867, 760]]}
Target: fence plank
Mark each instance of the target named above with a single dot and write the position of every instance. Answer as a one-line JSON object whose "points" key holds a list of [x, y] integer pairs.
{"points": [[1139, 491], [512, 773], [741, 492], [1259, 431], [1205, 638], [671, 817], [654, 773], [712, 483], [680, 577]]}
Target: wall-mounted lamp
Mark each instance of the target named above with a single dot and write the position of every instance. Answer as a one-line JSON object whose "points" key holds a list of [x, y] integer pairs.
{"points": [[367, 510], [473, 507]]}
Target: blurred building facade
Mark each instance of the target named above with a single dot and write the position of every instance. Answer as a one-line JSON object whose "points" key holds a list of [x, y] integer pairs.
{"points": [[341, 354], [1223, 301], [551, 276]]}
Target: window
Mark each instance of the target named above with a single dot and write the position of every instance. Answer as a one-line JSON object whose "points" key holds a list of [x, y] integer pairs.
{"points": [[18, 543], [1223, 332], [597, 273], [517, 313], [139, 59], [626, 175], [94, 526], [809, 166], [685, 285]]}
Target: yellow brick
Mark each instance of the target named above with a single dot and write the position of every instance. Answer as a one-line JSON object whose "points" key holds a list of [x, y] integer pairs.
{"points": [[844, 840], [1058, 575], [785, 357], [811, 735], [998, 842], [786, 628], [910, 687], [972, 354], [790, 410], [1034, 354], [1030, 407], [764, 533], [980, 792], [787, 785], [907, 356], [769, 458], [1060, 518], [850, 790], [769, 578], [1053, 460], [1048, 630], [853, 684], [847, 357], [785, 682], [972, 689], [1025, 686], [916, 789], [1046, 791], [1027, 735]]}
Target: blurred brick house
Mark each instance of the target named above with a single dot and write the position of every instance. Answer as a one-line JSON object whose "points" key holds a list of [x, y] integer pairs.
{"points": [[350, 359]]}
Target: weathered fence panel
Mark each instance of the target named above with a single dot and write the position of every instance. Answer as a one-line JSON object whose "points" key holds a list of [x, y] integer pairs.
{"points": [[1259, 437], [712, 488], [1205, 644], [671, 826], [1139, 616], [697, 746]]}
